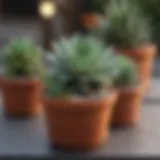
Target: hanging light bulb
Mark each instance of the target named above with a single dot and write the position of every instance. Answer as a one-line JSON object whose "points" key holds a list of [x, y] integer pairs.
{"points": [[47, 9]]}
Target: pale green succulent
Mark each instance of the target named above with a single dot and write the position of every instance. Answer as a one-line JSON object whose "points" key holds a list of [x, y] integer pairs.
{"points": [[127, 76], [126, 26], [22, 59], [81, 65]]}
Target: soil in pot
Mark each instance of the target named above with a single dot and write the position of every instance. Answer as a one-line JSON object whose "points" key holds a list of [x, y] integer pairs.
{"points": [[144, 58], [21, 98], [128, 106], [78, 124]]}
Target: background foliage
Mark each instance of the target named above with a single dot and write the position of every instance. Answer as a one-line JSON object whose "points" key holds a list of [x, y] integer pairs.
{"points": [[151, 9]]}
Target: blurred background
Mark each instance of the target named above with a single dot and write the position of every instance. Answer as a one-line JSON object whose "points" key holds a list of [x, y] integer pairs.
{"points": [[23, 17]]}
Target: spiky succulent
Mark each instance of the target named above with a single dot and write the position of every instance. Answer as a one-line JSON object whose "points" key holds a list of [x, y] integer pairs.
{"points": [[126, 26], [22, 59], [81, 66], [94, 5], [127, 76]]}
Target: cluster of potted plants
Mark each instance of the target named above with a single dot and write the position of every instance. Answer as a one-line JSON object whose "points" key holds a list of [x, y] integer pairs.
{"points": [[83, 92], [90, 86]]}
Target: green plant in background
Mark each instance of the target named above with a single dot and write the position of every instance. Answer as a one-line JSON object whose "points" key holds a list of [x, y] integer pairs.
{"points": [[82, 66], [96, 6], [127, 72], [151, 9], [22, 59], [126, 26]]}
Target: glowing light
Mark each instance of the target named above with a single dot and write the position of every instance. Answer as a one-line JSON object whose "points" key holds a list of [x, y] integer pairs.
{"points": [[47, 9]]}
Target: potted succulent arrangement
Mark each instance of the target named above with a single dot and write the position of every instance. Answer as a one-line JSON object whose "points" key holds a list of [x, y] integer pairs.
{"points": [[93, 13], [78, 100], [128, 31], [127, 107], [21, 84]]}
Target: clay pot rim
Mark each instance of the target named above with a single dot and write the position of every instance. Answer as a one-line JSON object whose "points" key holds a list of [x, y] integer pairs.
{"points": [[146, 45], [19, 81], [138, 49], [80, 107], [77, 98], [87, 105]]}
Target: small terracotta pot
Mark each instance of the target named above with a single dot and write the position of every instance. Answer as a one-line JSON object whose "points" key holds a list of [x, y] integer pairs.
{"points": [[144, 58], [127, 107], [78, 124], [21, 98], [91, 20]]}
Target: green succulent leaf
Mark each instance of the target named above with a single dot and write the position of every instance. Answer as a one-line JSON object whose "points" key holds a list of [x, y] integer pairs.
{"points": [[127, 76], [23, 59], [82, 65]]}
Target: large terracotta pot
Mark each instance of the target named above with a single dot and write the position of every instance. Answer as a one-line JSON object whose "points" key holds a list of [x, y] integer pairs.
{"points": [[127, 107], [144, 58], [78, 124], [21, 98]]}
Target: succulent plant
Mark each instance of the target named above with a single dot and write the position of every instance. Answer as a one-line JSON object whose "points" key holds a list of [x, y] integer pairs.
{"points": [[126, 26], [127, 76], [22, 59], [82, 66], [97, 6]]}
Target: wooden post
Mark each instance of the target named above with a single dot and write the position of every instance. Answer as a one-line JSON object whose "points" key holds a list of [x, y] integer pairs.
{"points": [[47, 33], [47, 10], [1, 3], [65, 22]]}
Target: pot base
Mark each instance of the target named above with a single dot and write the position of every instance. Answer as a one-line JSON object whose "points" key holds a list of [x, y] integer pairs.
{"points": [[124, 124], [23, 114], [74, 148]]}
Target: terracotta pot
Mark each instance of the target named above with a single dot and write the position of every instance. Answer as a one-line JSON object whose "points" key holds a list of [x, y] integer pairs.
{"points": [[127, 107], [78, 124], [91, 20], [21, 98], [144, 58]]}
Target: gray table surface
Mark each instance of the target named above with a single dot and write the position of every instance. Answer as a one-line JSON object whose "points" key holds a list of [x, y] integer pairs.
{"points": [[28, 137]]}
